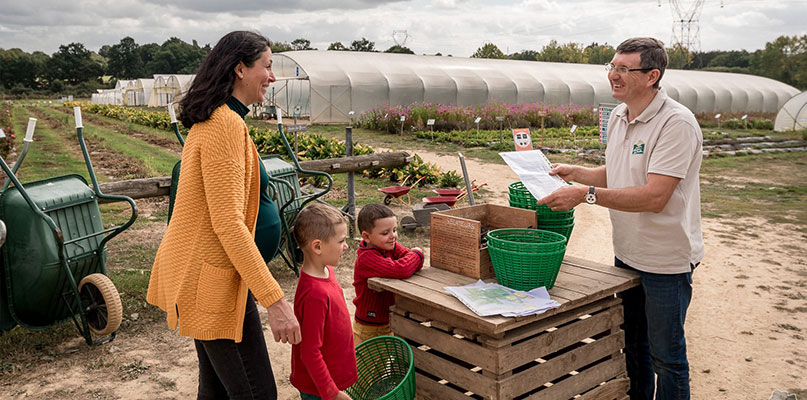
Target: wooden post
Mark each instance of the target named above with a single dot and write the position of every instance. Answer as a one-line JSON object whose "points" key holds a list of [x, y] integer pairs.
{"points": [[350, 207]]}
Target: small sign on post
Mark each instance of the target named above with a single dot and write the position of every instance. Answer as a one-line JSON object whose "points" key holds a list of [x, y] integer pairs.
{"points": [[717, 117], [605, 115], [573, 129], [297, 111], [430, 124], [522, 139], [745, 121]]}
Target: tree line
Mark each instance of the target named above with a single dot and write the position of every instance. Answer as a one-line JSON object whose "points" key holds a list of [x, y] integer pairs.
{"points": [[74, 69]]}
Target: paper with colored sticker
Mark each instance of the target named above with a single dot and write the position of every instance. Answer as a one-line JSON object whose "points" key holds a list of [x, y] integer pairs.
{"points": [[487, 299], [532, 167]]}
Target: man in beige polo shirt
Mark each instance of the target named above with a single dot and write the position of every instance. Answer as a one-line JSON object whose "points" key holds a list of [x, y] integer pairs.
{"points": [[650, 184]]}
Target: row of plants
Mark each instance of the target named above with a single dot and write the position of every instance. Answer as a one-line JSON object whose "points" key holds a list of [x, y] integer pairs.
{"points": [[6, 142], [492, 115], [268, 141], [584, 137], [734, 120]]}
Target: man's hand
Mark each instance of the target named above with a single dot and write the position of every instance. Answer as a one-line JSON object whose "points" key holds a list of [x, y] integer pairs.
{"points": [[565, 171], [283, 322], [565, 198]]}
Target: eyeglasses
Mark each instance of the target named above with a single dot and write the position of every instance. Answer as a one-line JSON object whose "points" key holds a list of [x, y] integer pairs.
{"points": [[622, 70]]}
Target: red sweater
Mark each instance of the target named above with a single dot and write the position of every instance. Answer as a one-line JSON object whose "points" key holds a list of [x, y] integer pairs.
{"points": [[372, 307], [322, 364]]}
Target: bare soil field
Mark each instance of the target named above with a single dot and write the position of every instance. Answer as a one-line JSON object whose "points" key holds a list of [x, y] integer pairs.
{"points": [[746, 326]]}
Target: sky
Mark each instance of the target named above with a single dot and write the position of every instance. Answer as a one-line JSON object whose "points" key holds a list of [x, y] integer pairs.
{"points": [[455, 27]]}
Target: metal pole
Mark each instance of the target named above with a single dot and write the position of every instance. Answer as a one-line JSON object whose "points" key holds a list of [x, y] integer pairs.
{"points": [[350, 208], [468, 187]]}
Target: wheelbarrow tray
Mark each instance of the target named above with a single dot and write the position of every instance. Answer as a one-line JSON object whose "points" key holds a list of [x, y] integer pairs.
{"points": [[447, 200], [395, 191], [447, 192], [37, 290]]}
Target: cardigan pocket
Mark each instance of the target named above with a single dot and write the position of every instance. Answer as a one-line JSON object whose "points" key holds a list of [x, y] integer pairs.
{"points": [[217, 290]]}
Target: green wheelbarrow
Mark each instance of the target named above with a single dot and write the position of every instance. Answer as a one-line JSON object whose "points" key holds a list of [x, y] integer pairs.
{"points": [[52, 266]]}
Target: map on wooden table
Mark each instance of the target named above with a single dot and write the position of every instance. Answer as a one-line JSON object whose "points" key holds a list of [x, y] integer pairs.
{"points": [[487, 299]]}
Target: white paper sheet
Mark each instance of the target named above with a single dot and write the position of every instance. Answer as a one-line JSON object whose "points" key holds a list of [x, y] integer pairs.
{"points": [[532, 167], [486, 299]]}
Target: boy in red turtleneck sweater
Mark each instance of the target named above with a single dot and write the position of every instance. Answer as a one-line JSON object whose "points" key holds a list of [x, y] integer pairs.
{"points": [[323, 364], [379, 255]]}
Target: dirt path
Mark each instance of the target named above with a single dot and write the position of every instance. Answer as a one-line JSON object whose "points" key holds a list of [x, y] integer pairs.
{"points": [[745, 328]]}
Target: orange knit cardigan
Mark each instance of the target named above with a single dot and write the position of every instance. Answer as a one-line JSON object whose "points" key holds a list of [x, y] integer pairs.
{"points": [[207, 259]]}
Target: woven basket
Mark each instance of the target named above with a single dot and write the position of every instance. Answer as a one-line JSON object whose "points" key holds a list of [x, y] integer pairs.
{"points": [[565, 230], [386, 370], [520, 263]]}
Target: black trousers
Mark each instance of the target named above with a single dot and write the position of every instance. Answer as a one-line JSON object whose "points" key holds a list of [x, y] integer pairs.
{"points": [[230, 370]]}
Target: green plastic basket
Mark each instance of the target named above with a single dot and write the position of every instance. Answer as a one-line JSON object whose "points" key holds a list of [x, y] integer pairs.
{"points": [[386, 370], [521, 267], [565, 230], [520, 197], [526, 240]]}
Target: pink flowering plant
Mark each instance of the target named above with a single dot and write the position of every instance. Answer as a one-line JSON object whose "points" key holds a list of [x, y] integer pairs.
{"points": [[449, 118]]}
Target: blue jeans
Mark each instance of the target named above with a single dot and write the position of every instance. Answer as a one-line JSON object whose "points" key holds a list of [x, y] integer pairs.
{"points": [[306, 396], [654, 335]]}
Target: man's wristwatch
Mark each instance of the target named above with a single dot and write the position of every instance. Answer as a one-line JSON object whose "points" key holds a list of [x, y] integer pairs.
{"points": [[591, 197]]}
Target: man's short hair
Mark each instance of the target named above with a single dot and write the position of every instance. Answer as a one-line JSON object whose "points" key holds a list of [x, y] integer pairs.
{"points": [[651, 52], [370, 213], [316, 221]]}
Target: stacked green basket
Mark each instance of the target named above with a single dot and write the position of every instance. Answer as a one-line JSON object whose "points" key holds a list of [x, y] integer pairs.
{"points": [[556, 221], [386, 370], [525, 259]]}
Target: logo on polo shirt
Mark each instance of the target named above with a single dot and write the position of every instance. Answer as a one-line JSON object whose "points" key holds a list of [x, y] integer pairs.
{"points": [[638, 148]]}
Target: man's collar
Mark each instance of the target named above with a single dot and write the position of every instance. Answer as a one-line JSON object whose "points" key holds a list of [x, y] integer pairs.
{"points": [[650, 111]]}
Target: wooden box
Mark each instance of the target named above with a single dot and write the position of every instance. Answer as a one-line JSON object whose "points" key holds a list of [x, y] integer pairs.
{"points": [[456, 236], [571, 354]]}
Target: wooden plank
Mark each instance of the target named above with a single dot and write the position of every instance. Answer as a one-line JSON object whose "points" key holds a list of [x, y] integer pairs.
{"points": [[462, 377], [464, 350], [614, 389], [436, 313], [546, 323], [608, 269], [442, 326], [529, 379], [575, 269], [466, 333], [583, 381], [538, 347], [429, 297], [429, 389]]}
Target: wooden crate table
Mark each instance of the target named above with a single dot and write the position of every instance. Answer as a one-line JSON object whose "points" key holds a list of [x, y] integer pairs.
{"points": [[573, 351]]}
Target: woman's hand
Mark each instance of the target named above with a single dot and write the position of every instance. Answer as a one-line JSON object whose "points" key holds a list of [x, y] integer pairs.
{"points": [[284, 324]]}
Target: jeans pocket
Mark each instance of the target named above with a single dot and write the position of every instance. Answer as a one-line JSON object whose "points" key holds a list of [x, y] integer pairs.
{"points": [[217, 289]]}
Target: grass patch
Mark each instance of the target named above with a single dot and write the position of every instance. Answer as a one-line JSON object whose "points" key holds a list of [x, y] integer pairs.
{"points": [[156, 161], [49, 152]]}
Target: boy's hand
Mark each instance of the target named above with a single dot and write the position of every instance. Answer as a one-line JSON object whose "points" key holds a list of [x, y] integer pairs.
{"points": [[342, 396], [418, 249], [284, 324]]}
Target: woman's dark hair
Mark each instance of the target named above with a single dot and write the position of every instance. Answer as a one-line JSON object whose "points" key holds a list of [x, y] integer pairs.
{"points": [[213, 84]]}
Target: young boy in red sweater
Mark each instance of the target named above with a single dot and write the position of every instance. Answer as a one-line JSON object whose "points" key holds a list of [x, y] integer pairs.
{"points": [[379, 255], [323, 364]]}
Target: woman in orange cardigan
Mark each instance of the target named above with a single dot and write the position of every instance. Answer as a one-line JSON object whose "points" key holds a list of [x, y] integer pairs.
{"points": [[209, 271]]}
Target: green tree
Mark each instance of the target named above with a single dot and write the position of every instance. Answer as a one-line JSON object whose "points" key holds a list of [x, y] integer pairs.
{"points": [[679, 57], [599, 54], [566, 53], [784, 59], [175, 57], [301, 44], [279, 47], [124, 60], [731, 59], [338, 46], [488, 50], [362, 45], [74, 63], [18, 68], [399, 49], [525, 55]]}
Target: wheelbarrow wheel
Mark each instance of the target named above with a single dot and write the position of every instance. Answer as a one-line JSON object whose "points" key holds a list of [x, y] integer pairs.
{"points": [[103, 309], [388, 199]]}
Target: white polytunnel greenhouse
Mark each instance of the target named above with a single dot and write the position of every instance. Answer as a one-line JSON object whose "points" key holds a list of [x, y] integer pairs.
{"points": [[793, 115], [326, 85]]}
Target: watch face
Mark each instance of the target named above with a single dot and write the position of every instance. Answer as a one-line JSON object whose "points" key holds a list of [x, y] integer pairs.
{"points": [[591, 198]]}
